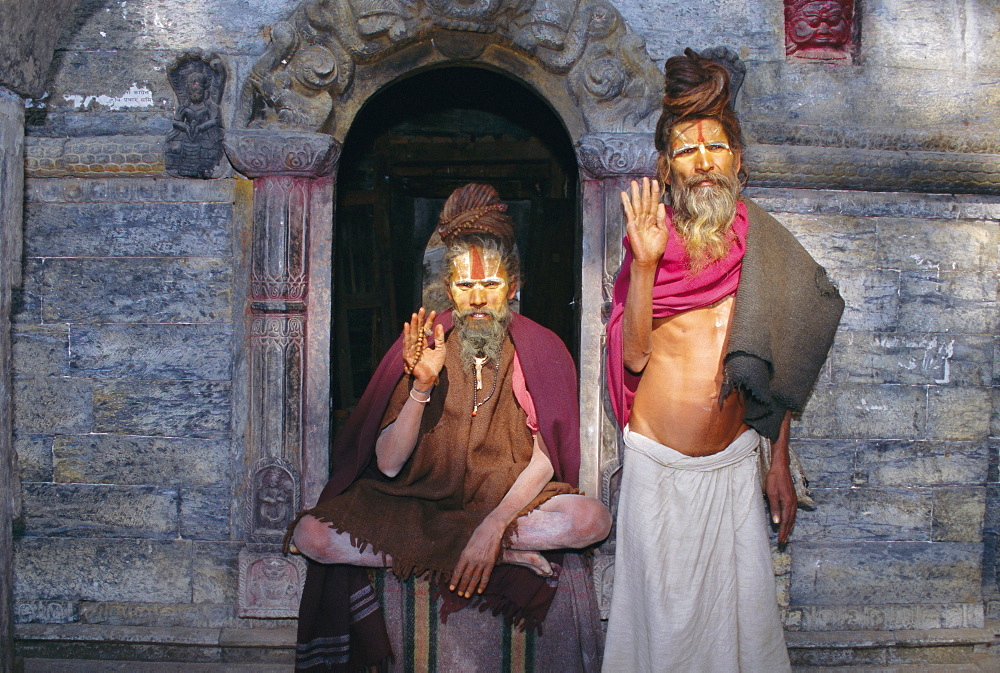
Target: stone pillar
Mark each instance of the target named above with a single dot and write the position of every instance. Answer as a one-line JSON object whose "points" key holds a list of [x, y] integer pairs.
{"points": [[11, 203], [285, 354], [607, 162]]}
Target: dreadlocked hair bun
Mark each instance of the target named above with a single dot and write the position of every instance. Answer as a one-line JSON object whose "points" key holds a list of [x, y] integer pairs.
{"points": [[694, 87], [473, 209]]}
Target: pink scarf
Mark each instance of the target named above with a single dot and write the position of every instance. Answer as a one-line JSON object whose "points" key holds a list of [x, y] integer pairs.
{"points": [[674, 291]]}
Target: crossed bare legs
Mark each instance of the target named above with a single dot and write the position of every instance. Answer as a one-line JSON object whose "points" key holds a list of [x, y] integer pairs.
{"points": [[562, 522]]}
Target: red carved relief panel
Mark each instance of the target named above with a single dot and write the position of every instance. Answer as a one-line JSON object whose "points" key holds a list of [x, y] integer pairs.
{"points": [[821, 30]]}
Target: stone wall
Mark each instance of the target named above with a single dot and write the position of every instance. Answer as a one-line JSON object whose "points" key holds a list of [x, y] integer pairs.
{"points": [[896, 437], [123, 360], [126, 354]]}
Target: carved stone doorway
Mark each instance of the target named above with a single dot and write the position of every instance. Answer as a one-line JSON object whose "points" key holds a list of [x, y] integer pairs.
{"points": [[326, 63], [409, 147]]}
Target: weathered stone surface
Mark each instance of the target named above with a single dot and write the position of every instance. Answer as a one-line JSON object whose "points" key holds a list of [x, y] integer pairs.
{"points": [[871, 298], [869, 204], [958, 413], [34, 453], [88, 510], [995, 415], [45, 612], [916, 463], [118, 459], [886, 573], [116, 190], [214, 572], [865, 411], [148, 571], [205, 615], [866, 514], [949, 301], [151, 351], [835, 242], [53, 405], [29, 35], [929, 359], [958, 514], [181, 25], [127, 229], [938, 245], [162, 408], [26, 301], [196, 290], [40, 350], [828, 463], [889, 617], [205, 513]]}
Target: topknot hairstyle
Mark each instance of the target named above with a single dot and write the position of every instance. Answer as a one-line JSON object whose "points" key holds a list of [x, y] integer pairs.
{"points": [[475, 209], [695, 88]]}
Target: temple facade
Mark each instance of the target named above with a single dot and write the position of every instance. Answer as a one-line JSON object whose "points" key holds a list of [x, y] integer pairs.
{"points": [[215, 214]]}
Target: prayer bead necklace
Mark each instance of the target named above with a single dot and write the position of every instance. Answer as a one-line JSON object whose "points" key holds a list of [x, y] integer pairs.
{"points": [[480, 361]]}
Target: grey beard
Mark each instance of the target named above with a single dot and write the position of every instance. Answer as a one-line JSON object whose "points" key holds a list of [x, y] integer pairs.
{"points": [[703, 216], [478, 339]]}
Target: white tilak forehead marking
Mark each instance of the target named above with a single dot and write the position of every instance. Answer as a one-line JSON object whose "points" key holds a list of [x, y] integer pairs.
{"points": [[462, 266], [491, 279]]}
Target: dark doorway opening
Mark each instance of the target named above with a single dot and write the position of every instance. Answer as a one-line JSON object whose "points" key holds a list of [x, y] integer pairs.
{"points": [[409, 147]]}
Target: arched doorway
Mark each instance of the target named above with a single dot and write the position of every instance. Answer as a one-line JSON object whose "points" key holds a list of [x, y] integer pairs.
{"points": [[413, 143], [323, 78]]}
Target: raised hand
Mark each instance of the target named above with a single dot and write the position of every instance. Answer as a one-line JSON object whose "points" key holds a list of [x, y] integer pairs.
{"points": [[421, 359], [645, 221]]}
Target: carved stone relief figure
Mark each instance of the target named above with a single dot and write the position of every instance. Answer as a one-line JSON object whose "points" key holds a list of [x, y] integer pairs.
{"points": [[820, 30], [194, 146], [270, 585], [274, 500]]}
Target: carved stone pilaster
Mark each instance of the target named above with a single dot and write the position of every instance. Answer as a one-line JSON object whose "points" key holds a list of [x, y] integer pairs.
{"points": [[291, 194]]}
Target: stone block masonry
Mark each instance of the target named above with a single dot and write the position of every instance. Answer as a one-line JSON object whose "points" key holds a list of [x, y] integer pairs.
{"points": [[123, 352], [897, 435]]}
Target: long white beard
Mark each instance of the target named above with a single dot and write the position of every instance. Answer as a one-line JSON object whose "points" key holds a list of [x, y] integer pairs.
{"points": [[479, 338], [703, 216]]}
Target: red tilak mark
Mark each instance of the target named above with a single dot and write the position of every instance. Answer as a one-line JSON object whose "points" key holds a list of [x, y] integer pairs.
{"points": [[477, 263], [701, 133]]}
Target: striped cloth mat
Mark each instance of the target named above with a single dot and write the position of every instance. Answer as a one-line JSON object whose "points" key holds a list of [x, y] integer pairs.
{"points": [[477, 642]]}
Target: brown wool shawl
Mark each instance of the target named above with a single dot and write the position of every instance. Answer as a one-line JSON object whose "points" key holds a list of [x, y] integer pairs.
{"points": [[459, 472]]}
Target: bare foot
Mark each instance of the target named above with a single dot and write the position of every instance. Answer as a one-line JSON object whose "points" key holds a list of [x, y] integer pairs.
{"points": [[532, 560]]}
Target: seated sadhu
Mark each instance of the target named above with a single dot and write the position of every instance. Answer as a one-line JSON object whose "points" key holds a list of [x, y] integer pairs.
{"points": [[460, 461]]}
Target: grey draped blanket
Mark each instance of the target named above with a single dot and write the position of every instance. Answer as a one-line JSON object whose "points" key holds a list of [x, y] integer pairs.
{"points": [[783, 324]]}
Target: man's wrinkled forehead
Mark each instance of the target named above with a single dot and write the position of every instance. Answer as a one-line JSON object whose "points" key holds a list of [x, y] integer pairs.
{"points": [[697, 132], [476, 264]]}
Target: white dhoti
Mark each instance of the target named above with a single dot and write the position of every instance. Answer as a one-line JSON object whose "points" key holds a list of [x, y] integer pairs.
{"points": [[694, 585]]}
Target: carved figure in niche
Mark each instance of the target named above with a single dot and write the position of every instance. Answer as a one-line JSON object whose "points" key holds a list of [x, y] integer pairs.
{"points": [[271, 583], [194, 146], [819, 29], [275, 495], [704, 392], [461, 462]]}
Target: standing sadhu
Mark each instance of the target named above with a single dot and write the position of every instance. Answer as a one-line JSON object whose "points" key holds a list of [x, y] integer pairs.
{"points": [[460, 461], [720, 324]]}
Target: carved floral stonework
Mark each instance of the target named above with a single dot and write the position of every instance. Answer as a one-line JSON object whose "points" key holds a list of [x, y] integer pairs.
{"points": [[317, 54], [194, 145], [290, 153], [821, 30], [604, 155], [270, 585]]}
